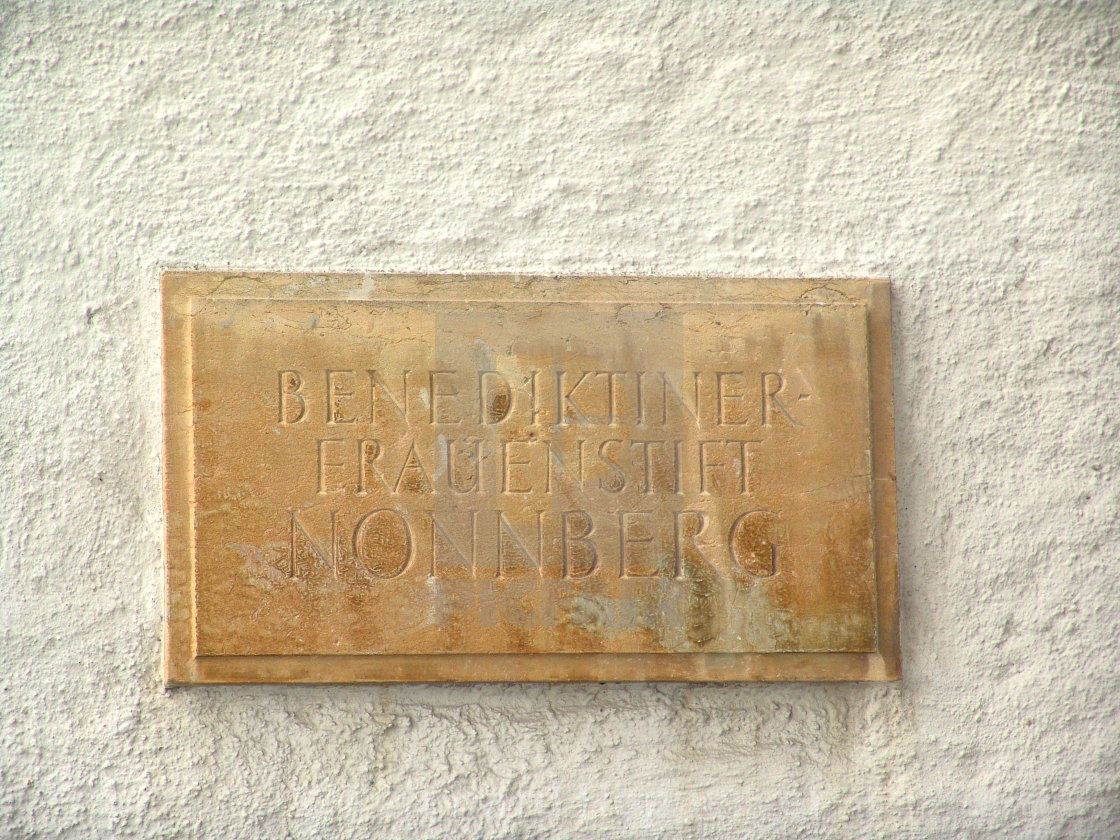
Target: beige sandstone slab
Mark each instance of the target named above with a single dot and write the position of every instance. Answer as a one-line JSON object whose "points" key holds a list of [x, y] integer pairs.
{"points": [[430, 478]]}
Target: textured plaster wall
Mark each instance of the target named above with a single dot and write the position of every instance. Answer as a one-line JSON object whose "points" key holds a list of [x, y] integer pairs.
{"points": [[969, 151]]}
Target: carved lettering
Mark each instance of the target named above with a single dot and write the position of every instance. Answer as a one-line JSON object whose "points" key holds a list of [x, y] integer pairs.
{"points": [[368, 452], [727, 399], [474, 460], [647, 463], [495, 399], [383, 543], [615, 482], [511, 484], [323, 463], [413, 477], [340, 388], [612, 391], [377, 386], [290, 384], [505, 529], [745, 464], [581, 540], [668, 389], [329, 560], [706, 465], [575, 477], [772, 384], [564, 400], [436, 390], [683, 532], [750, 544], [466, 558], [627, 538]]}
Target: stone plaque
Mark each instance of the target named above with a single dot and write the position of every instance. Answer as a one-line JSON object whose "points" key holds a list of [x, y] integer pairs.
{"points": [[454, 478]]}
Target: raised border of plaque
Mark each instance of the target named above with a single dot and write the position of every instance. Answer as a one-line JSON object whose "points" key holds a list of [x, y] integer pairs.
{"points": [[186, 663]]}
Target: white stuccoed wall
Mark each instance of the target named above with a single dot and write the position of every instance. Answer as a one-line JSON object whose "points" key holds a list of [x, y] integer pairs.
{"points": [[969, 151]]}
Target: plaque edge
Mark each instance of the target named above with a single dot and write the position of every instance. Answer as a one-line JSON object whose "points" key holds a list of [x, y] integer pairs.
{"points": [[182, 667]]}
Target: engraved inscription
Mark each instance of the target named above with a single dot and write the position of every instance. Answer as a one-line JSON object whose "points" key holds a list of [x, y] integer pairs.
{"points": [[427, 471]]}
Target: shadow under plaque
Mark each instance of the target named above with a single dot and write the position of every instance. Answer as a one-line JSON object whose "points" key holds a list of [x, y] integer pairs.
{"points": [[518, 478]]}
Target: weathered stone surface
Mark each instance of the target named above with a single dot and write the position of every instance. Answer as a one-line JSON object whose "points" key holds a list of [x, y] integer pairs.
{"points": [[521, 478]]}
